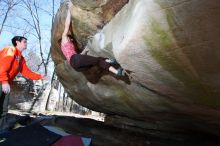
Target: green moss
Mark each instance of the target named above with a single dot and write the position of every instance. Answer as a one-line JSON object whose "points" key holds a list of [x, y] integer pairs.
{"points": [[170, 19], [126, 101], [161, 46], [163, 3]]}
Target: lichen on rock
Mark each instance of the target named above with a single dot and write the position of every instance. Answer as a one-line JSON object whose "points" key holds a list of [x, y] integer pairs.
{"points": [[169, 48]]}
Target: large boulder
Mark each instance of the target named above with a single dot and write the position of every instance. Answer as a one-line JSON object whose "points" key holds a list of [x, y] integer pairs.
{"points": [[170, 49]]}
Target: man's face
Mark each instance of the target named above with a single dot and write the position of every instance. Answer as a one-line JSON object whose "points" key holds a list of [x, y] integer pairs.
{"points": [[22, 45]]}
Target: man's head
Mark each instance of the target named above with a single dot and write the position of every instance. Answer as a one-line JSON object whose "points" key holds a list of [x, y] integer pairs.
{"points": [[19, 42]]}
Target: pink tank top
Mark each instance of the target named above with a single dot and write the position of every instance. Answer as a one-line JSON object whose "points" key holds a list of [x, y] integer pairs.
{"points": [[68, 50]]}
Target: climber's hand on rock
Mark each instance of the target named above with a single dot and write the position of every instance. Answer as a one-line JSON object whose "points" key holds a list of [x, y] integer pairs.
{"points": [[85, 51], [69, 4], [6, 88]]}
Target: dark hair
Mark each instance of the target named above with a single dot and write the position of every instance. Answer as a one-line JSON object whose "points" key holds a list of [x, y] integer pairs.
{"points": [[59, 41], [72, 39], [17, 38], [69, 36]]}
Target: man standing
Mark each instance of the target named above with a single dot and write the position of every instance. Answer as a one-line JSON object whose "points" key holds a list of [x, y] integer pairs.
{"points": [[11, 63]]}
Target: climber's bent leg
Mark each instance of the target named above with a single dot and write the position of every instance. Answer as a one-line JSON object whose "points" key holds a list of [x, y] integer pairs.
{"points": [[78, 61]]}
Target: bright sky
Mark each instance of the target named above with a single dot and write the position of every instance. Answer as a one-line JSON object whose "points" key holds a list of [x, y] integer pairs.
{"points": [[15, 25], [16, 22]]}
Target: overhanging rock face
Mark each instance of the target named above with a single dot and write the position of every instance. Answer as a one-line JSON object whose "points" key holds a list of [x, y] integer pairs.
{"points": [[170, 49]]}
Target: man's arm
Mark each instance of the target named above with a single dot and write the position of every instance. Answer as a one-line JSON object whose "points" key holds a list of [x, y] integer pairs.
{"points": [[5, 64], [25, 71], [6, 59]]}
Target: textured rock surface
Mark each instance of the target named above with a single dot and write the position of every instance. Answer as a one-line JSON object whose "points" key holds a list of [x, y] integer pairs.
{"points": [[29, 96], [171, 49]]}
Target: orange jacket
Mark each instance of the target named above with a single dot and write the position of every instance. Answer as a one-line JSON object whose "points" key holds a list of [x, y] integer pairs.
{"points": [[11, 63]]}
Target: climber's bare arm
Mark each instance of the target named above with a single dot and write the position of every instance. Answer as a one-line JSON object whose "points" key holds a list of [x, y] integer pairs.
{"points": [[67, 24], [85, 51]]}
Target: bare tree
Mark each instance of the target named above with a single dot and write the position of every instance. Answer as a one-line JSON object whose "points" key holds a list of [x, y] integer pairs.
{"points": [[54, 81], [24, 30], [9, 6], [32, 8], [52, 20], [32, 25], [53, 84]]}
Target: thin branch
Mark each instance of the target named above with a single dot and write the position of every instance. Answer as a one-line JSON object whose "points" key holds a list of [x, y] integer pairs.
{"points": [[52, 86], [18, 28], [45, 11], [53, 13], [10, 5]]}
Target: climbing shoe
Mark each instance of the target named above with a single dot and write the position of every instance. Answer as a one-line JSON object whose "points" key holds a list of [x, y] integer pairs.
{"points": [[112, 61], [121, 72]]}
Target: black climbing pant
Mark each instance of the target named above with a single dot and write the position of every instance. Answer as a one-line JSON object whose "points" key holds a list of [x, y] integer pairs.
{"points": [[79, 61]]}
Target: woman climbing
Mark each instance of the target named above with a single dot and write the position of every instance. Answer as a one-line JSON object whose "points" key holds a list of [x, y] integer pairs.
{"points": [[78, 61]]}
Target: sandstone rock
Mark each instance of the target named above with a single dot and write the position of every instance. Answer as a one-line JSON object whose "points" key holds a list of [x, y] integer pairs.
{"points": [[29, 96], [170, 49]]}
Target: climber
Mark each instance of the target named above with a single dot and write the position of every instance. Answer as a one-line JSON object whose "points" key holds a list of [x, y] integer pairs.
{"points": [[11, 63], [82, 60]]}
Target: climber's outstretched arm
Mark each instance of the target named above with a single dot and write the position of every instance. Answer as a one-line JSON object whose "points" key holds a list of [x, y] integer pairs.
{"points": [[66, 28], [67, 24]]}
